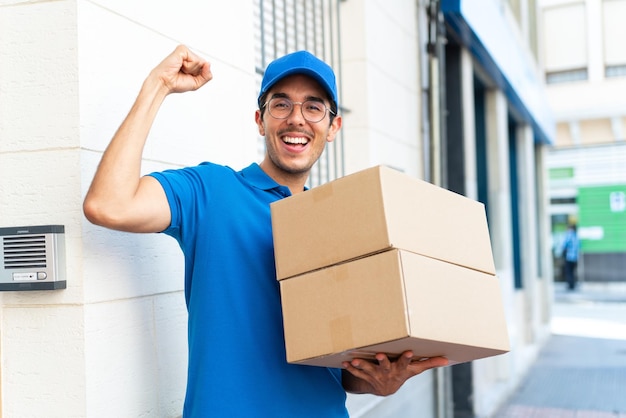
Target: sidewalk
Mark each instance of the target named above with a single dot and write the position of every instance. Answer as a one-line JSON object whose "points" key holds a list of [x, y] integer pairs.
{"points": [[581, 371]]}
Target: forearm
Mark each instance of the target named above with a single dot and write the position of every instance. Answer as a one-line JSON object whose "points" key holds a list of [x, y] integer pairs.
{"points": [[117, 177], [118, 197]]}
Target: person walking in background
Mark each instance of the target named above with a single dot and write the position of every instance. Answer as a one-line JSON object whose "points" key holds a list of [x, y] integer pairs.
{"points": [[570, 252]]}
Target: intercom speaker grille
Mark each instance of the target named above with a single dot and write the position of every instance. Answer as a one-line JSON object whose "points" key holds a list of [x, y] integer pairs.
{"points": [[33, 258], [24, 251]]}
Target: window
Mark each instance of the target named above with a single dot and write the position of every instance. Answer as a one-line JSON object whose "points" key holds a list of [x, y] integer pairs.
{"points": [[284, 26], [566, 76], [614, 70], [563, 200], [614, 32], [565, 40], [561, 173]]}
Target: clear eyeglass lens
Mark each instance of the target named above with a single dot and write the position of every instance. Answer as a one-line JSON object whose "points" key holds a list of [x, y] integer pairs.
{"points": [[281, 108]]}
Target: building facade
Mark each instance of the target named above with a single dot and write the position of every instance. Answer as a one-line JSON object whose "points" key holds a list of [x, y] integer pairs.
{"points": [[497, 130], [445, 91], [585, 70]]}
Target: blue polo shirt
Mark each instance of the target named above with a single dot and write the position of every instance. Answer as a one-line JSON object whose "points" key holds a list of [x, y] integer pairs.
{"points": [[237, 362]]}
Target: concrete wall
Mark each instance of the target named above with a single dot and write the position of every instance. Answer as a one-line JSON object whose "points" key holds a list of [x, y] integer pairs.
{"points": [[380, 63], [114, 342], [42, 333]]}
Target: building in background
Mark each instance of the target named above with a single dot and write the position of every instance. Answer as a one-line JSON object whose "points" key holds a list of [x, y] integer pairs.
{"points": [[585, 70], [448, 91], [496, 131]]}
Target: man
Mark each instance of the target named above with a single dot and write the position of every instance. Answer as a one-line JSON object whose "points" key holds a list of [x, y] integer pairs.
{"points": [[571, 247], [221, 219]]}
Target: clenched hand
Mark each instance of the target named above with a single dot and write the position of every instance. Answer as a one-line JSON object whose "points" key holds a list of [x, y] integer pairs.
{"points": [[183, 71]]}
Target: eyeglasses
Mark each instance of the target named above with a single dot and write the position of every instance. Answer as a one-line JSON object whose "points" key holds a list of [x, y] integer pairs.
{"points": [[312, 110]]}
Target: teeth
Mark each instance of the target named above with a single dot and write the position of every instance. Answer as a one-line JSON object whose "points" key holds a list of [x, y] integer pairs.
{"points": [[296, 140]]}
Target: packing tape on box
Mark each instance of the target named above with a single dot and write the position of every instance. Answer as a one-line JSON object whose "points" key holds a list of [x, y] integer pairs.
{"points": [[341, 333], [322, 193], [341, 273]]}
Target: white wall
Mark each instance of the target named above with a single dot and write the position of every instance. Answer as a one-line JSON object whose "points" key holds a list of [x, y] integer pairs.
{"points": [[114, 342], [381, 90], [42, 333], [135, 318]]}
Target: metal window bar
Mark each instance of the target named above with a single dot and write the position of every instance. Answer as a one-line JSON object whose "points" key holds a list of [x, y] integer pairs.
{"points": [[285, 26]]}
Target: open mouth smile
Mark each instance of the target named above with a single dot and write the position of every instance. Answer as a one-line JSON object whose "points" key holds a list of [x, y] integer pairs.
{"points": [[298, 140]]}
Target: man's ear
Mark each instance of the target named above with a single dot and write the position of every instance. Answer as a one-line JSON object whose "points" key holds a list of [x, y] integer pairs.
{"points": [[334, 128], [258, 118]]}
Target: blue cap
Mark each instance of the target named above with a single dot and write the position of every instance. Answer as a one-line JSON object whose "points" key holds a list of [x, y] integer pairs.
{"points": [[300, 62]]}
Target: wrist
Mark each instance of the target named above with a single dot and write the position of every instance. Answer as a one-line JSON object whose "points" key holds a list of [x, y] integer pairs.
{"points": [[155, 88], [152, 94]]}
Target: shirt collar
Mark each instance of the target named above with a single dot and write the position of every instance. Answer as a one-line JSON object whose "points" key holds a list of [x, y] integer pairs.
{"points": [[258, 178]]}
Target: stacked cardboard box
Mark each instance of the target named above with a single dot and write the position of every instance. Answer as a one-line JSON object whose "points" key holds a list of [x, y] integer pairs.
{"points": [[378, 261]]}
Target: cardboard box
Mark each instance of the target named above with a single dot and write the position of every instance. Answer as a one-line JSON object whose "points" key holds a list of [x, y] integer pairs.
{"points": [[378, 261], [391, 302], [375, 210]]}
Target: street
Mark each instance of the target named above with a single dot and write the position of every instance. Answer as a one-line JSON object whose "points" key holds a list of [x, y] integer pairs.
{"points": [[581, 371]]}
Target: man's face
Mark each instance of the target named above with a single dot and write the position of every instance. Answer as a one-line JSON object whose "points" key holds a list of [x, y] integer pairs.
{"points": [[293, 144]]}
